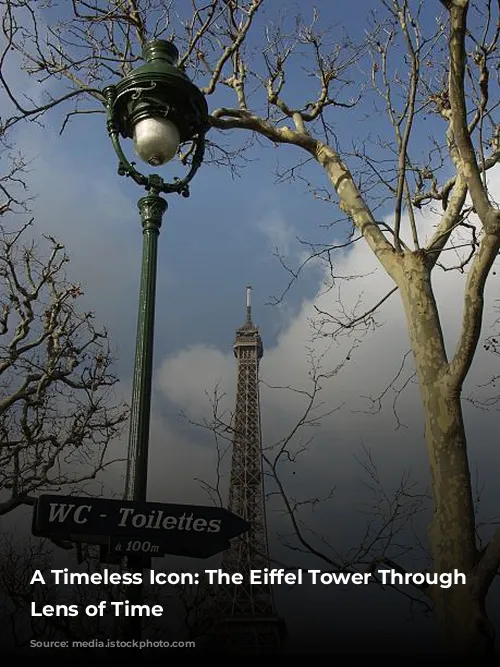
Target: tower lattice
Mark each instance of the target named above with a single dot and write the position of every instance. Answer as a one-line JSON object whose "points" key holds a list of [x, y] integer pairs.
{"points": [[250, 623]]}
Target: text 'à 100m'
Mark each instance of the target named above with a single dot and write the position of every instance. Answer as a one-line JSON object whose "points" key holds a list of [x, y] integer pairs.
{"points": [[136, 546]]}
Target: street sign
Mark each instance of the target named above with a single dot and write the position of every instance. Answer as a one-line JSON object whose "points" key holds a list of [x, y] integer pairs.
{"points": [[142, 528]]}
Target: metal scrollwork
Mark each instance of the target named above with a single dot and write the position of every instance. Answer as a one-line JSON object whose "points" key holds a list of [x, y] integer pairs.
{"points": [[152, 183], [137, 91]]}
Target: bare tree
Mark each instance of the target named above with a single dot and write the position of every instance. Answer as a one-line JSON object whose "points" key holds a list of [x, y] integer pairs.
{"points": [[390, 513], [19, 561], [57, 411], [419, 67], [189, 610]]}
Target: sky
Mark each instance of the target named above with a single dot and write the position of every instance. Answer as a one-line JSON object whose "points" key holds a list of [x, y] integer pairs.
{"points": [[211, 246]]}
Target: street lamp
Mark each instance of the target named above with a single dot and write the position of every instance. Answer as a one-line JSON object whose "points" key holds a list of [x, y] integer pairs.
{"points": [[160, 109]]}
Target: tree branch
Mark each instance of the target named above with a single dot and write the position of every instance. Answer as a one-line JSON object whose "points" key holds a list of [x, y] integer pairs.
{"points": [[458, 59], [473, 308]]}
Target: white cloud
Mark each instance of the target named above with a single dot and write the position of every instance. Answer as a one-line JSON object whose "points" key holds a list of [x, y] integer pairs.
{"points": [[278, 232], [185, 377]]}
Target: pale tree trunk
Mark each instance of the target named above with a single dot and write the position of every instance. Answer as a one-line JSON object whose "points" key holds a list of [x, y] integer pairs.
{"points": [[452, 536]]}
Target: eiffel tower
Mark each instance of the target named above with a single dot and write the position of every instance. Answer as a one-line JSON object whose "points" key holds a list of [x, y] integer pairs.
{"points": [[249, 622]]}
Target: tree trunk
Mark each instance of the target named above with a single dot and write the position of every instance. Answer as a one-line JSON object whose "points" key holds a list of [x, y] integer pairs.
{"points": [[461, 608], [452, 535]]}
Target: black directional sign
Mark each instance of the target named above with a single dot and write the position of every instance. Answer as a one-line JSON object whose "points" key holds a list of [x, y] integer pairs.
{"points": [[143, 528]]}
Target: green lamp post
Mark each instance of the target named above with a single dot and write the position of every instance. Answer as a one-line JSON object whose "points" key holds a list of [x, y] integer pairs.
{"points": [[159, 108]]}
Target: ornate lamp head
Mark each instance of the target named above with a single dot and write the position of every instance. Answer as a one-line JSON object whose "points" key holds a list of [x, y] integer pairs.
{"points": [[159, 108]]}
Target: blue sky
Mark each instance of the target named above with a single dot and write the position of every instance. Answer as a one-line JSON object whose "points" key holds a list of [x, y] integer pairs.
{"points": [[211, 246]]}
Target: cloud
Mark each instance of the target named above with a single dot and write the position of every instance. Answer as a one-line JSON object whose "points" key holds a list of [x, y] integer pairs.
{"points": [[278, 233], [189, 377], [371, 370], [185, 377]]}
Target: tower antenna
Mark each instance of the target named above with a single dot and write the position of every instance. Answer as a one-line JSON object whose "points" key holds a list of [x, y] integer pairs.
{"points": [[249, 304]]}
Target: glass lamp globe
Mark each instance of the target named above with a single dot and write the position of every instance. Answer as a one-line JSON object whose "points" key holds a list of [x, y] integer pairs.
{"points": [[156, 140]]}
